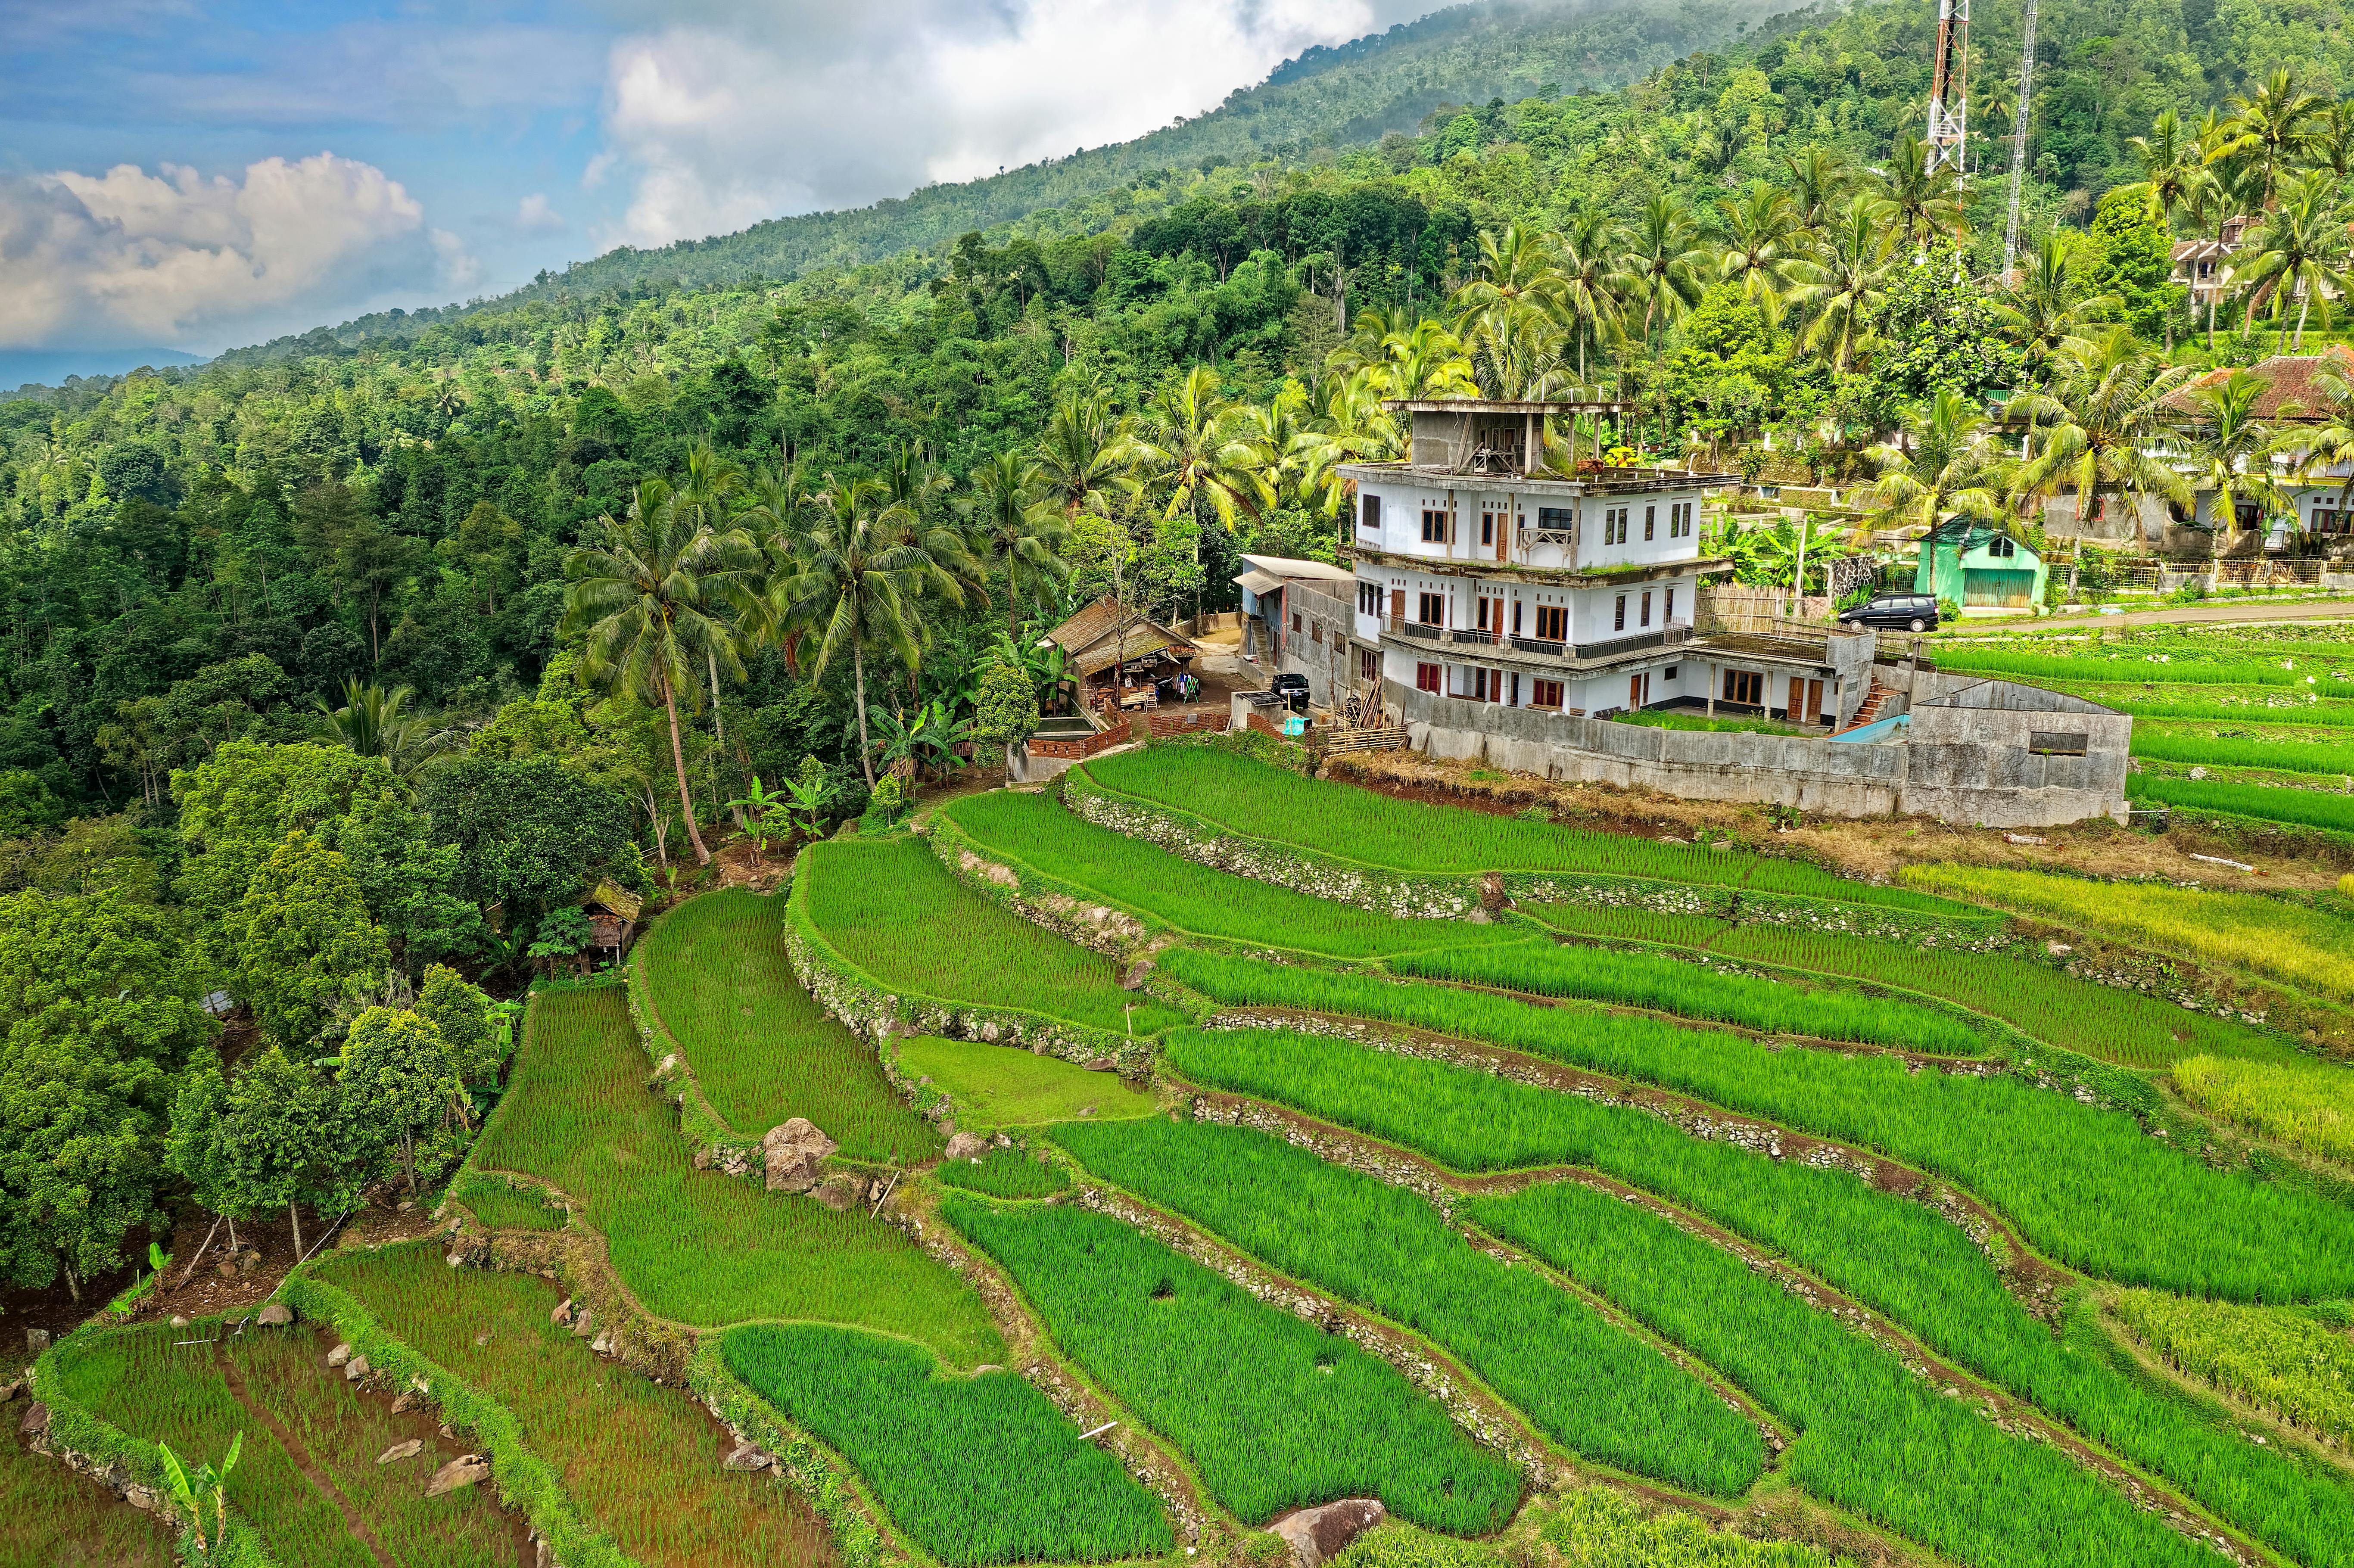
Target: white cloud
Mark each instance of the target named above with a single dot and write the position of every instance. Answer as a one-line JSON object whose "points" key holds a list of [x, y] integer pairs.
{"points": [[741, 112], [535, 216], [129, 256]]}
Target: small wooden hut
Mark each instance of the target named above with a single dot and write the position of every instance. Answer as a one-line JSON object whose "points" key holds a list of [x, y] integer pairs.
{"points": [[1109, 650]]}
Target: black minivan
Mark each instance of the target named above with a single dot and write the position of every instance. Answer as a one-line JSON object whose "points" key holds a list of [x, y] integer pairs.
{"points": [[1909, 611]]}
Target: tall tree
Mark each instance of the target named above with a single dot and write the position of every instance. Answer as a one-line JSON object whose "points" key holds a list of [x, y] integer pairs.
{"points": [[1840, 287], [1019, 529], [1923, 200], [1080, 455], [2297, 253], [1944, 466], [1761, 235], [2054, 308], [1663, 260], [1193, 439], [647, 593], [2269, 131], [2230, 450], [2100, 425]]}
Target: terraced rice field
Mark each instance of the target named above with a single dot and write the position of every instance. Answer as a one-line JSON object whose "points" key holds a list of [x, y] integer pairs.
{"points": [[995, 1086], [698, 1247], [761, 1048], [641, 1461], [52, 1518]]}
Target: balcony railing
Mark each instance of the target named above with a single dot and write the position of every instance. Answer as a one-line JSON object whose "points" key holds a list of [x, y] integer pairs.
{"points": [[1543, 647]]}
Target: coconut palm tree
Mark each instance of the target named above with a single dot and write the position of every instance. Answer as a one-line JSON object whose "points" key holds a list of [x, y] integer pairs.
{"points": [[646, 590], [1924, 201], [2054, 308], [1820, 179], [1762, 239], [2097, 424], [1515, 272], [2230, 450], [1193, 439], [1592, 289], [1839, 287], [2269, 133], [2210, 205], [1079, 454], [2297, 253], [854, 591], [373, 722], [707, 498], [2171, 165], [1946, 465], [1663, 261], [1018, 529]]}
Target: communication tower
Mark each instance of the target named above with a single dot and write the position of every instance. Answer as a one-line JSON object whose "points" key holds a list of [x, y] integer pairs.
{"points": [[1949, 86]]}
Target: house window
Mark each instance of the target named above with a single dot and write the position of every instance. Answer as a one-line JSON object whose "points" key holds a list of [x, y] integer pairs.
{"points": [[1649, 513], [1556, 519], [1487, 528], [1434, 609], [1744, 686], [1433, 526], [1369, 664], [1425, 677], [2001, 548], [1618, 615], [1680, 520], [1545, 695], [1613, 525], [1316, 633], [1368, 513], [1369, 599], [1646, 609], [1516, 618], [1668, 614], [1552, 622], [1294, 623]]}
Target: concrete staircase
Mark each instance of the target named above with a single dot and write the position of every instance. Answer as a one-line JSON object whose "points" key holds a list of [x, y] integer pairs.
{"points": [[1875, 702]]}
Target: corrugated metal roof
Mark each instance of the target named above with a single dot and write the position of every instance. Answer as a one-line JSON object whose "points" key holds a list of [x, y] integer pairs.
{"points": [[1258, 582]]}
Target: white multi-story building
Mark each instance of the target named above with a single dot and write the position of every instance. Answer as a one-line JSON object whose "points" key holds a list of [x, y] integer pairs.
{"points": [[1484, 576]]}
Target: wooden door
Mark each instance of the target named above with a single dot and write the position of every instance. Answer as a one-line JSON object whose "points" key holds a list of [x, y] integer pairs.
{"points": [[1397, 604], [1813, 703]]}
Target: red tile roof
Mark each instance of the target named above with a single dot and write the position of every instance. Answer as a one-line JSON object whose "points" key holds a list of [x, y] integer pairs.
{"points": [[2289, 379]]}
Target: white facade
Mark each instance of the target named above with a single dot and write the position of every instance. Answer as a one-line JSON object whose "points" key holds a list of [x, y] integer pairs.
{"points": [[1506, 588]]}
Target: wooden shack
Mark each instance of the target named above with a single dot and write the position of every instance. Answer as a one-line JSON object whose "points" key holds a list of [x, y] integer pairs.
{"points": [[612, 911], [1108, 650]]}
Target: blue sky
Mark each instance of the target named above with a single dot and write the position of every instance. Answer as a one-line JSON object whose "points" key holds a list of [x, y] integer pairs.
{"points": [[195, 175]]}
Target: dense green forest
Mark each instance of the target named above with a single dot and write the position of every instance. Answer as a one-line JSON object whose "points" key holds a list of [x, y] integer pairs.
{"points": [[330, 678]]}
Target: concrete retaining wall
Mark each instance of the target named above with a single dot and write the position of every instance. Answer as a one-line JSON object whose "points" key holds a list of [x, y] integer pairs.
{"points": [[1970, 764]]}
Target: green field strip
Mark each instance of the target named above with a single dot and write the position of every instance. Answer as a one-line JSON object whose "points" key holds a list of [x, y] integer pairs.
{"points": [[695, 1247], [1272, 1412], [759, 1047], [307, 1480], [1875, 1438], [998, 1087], [2294, 1364], [2217, 703], [891, 910], [634, 1466], [52, 1517], [2329, 810], [2285, 753], [1656, 983], [976, 1470], [1355, 826], [2083, 1184], [1599, 1391], [2305, 1105], [1899, 1257], [2309, 671], [500, 1204], [1015, 1175], [1033, 834], [2295, 944]]}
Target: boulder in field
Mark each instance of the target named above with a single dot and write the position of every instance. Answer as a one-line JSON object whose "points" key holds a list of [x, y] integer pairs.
{"points": [[563, 1313], [1315, 1535], [584, 1324], [967, 1145], [792, 1153], [340, 1354], [37, 1420], [356, 1369], [749, 1457], [462, 1471], [277, 1315], [399, 1451]]}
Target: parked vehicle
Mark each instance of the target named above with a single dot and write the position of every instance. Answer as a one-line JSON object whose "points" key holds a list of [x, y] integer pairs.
{"points": [[1911, 611], [1292, 687]]}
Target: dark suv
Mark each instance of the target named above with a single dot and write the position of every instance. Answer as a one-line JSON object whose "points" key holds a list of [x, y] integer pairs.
{"points": [[1292, 687], [1910, 611]]}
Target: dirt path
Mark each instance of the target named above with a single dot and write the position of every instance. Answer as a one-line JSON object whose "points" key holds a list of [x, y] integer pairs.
{"points": [[357, 1526]]}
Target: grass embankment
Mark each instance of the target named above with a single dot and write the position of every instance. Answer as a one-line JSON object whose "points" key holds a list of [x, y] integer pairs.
{"points": [[1009, 1173], [1349, 823], [1033, 832], [890, 907], [309, 1450], [1899, 1257], [506, 1206], [2296, 1364], [2307, 1104], [977, 1471], [699, 1246], [1274, 1413], [2098, 1021], [996, 1087], [2295, 943], [1589, 1384], [1875, 1438], [52, 1518], [1692, 990], [642, 1460], [2082, 1183], [760, 1046]]}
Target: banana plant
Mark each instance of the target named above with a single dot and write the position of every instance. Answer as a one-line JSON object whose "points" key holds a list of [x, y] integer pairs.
{"points": [[761, 808], [190, 1492]]}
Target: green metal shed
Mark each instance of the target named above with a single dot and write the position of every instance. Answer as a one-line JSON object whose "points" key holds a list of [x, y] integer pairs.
{"points": [[1971, 564]]}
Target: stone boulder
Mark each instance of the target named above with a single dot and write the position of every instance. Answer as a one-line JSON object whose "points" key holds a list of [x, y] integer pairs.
{"points": [[277, 1315], [563, 1312], [36, 1422], [1101, 1064], [839, 1191], [749, 1457], [36, 1341], [584, 1324], [340, 1354], [1315, 1535], [967, 1145], [179, 1321], [399, 1451], [462, 1471], [792, 1153], [356, 1369], [1138, 973]]}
